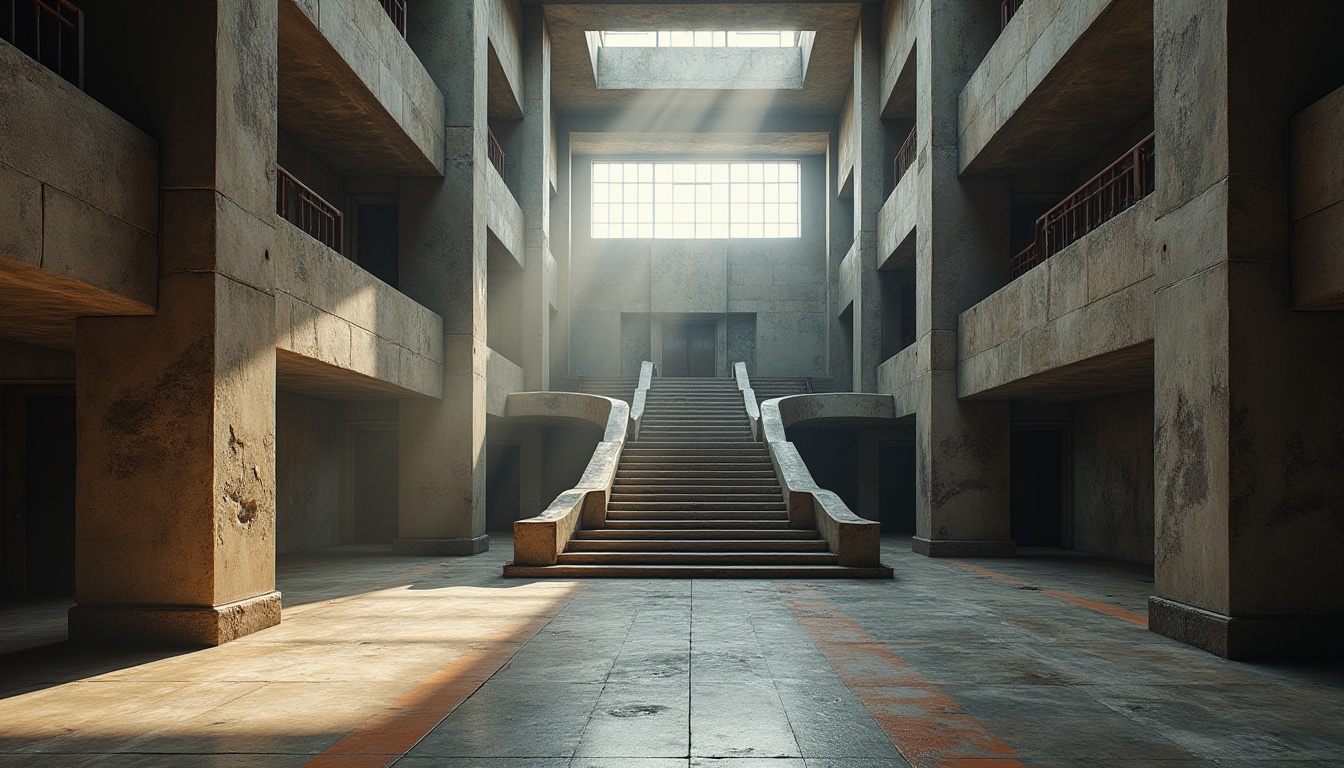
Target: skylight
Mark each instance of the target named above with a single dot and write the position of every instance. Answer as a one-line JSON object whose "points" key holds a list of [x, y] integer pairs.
{"points": [[700, 39]]}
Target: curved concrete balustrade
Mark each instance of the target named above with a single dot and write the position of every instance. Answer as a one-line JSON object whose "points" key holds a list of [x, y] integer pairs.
{"points": [[855, 540], [538, 540], [748, 399], [641, 394]]}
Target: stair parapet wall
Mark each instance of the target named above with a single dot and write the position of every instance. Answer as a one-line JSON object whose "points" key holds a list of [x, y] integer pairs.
{"points": [[539, 540], [853, 539]]}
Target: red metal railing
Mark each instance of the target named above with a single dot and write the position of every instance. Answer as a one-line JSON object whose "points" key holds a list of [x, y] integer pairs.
{"points": [[496, 153], [1006, 11], [50, 31], [305, 209], [1119, 187], [905, 157], [396, 10]]}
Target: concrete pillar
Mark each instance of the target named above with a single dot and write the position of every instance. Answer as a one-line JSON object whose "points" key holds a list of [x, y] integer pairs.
{"points": [[535, 199], [961, 257], [868, 199], [176, 434], [559, 243], [839, 238], [443, 266], [1248, 457]]}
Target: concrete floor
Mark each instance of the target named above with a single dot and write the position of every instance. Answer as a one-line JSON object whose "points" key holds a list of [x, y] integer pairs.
{"points": [[1042, 660]]}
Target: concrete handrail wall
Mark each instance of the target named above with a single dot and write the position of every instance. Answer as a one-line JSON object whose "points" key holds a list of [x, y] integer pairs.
{"points": [[641, 394], [855, 540], [748, 399], [539, 540]]}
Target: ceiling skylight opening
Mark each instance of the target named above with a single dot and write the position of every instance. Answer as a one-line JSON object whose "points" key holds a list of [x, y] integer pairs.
{"points": [[700, 39]]}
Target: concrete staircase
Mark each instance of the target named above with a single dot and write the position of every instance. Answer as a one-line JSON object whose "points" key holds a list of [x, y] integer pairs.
{"points": [[616, 387], [695, 496]]}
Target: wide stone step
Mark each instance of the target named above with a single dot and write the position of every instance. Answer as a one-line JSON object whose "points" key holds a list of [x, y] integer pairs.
{"points": [[698, 507], [697, 545], [635, 449], [691, 534], [756, 484], [635, 474], [668, 571], [666, 524], [691, 465], [693, 495], [697, 558]]}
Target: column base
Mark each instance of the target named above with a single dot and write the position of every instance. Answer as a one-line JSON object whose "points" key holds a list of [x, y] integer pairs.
{"points": [[467, 545], [1244, 638], [173, 625], [960, 548]]}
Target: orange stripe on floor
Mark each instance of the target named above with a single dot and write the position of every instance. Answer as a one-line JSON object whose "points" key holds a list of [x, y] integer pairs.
{"points": [[928, 727], [387, 736], [1058, 594]]}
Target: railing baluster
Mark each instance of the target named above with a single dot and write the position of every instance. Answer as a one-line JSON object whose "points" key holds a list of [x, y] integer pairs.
{"points": [[905, 157], [63, 25], [307, 210], [495, 151]]}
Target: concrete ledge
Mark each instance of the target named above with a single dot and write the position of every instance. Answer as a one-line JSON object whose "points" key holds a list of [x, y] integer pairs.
{"points": [[539, 540], [637, 401], [465, 545], [173, 625], [952, 548], [748, 399], [854, 540], [1250, 637]]}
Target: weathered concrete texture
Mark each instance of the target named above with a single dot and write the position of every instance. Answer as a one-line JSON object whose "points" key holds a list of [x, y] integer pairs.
{"points": [[896, 223], [688, 276], [504, 217], [309, 441], [700, 68], [173, 625], [1072, 327], [1113, 477], [899, 27], [1065, 77], [1316, 205], [505, 31], [79, 198], [352, 90], [361, 335], [502, 378], [1247, 452]]}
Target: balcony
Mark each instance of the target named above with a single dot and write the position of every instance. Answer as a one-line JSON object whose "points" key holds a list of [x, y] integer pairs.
{"points": [[49, 31], [905, 158], [396, 11], [495, 151], [305, 209], [1116, 189]]}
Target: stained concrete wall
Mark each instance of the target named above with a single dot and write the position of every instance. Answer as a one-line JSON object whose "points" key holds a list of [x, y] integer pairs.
{"points": [[783, 282], [309, 435], [1113, 476], [1316, 201]]}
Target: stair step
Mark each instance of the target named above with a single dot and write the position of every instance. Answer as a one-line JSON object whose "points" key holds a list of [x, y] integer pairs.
{"points": [[762, 484], [697, 545], [697, 558], [689, 474], [667, 525], [790, 572], [726, 509], [694, 495], [693, 534]]}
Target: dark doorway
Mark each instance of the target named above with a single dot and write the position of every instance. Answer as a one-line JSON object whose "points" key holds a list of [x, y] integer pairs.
{"points": [[39, 491], [896, 487], [503, 481], [1037, 487], [374, 487], [376, 240], [688, 349]]}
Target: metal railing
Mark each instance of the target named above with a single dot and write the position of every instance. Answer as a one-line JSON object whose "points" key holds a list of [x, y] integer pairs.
{"points": [[49, 31], [1007, 9], [905, 158], [1116, 189], [305, 209], [496, 153], [396, 10]]}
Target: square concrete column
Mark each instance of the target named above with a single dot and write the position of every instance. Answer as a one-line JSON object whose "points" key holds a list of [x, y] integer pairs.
{"points": [[868, 174], [175, 500], [559, 245], [961, 256], [1248, 455], [535, 172], [443, 266]]}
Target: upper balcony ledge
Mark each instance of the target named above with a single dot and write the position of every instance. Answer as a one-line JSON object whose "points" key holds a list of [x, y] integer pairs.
{"points": [[1065, 77], [366, 336], [352, 90], [896, 224], [503, 377], [504, 220]]}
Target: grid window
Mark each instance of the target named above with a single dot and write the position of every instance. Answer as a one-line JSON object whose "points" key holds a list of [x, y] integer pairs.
{"points": [[695, 200], [700, 39]]}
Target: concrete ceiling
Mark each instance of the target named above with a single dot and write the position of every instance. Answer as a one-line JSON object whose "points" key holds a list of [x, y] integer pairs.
{"points": [[575, 92]]}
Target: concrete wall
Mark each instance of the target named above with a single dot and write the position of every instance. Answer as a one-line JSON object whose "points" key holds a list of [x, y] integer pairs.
{"points": [[309, 438], [679, 68], [1316, 204], [781, 281], [1113, 476], [80, 205]]}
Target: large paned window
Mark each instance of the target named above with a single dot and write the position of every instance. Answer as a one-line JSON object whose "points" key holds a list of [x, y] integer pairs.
{"points": [[695, 200]]}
